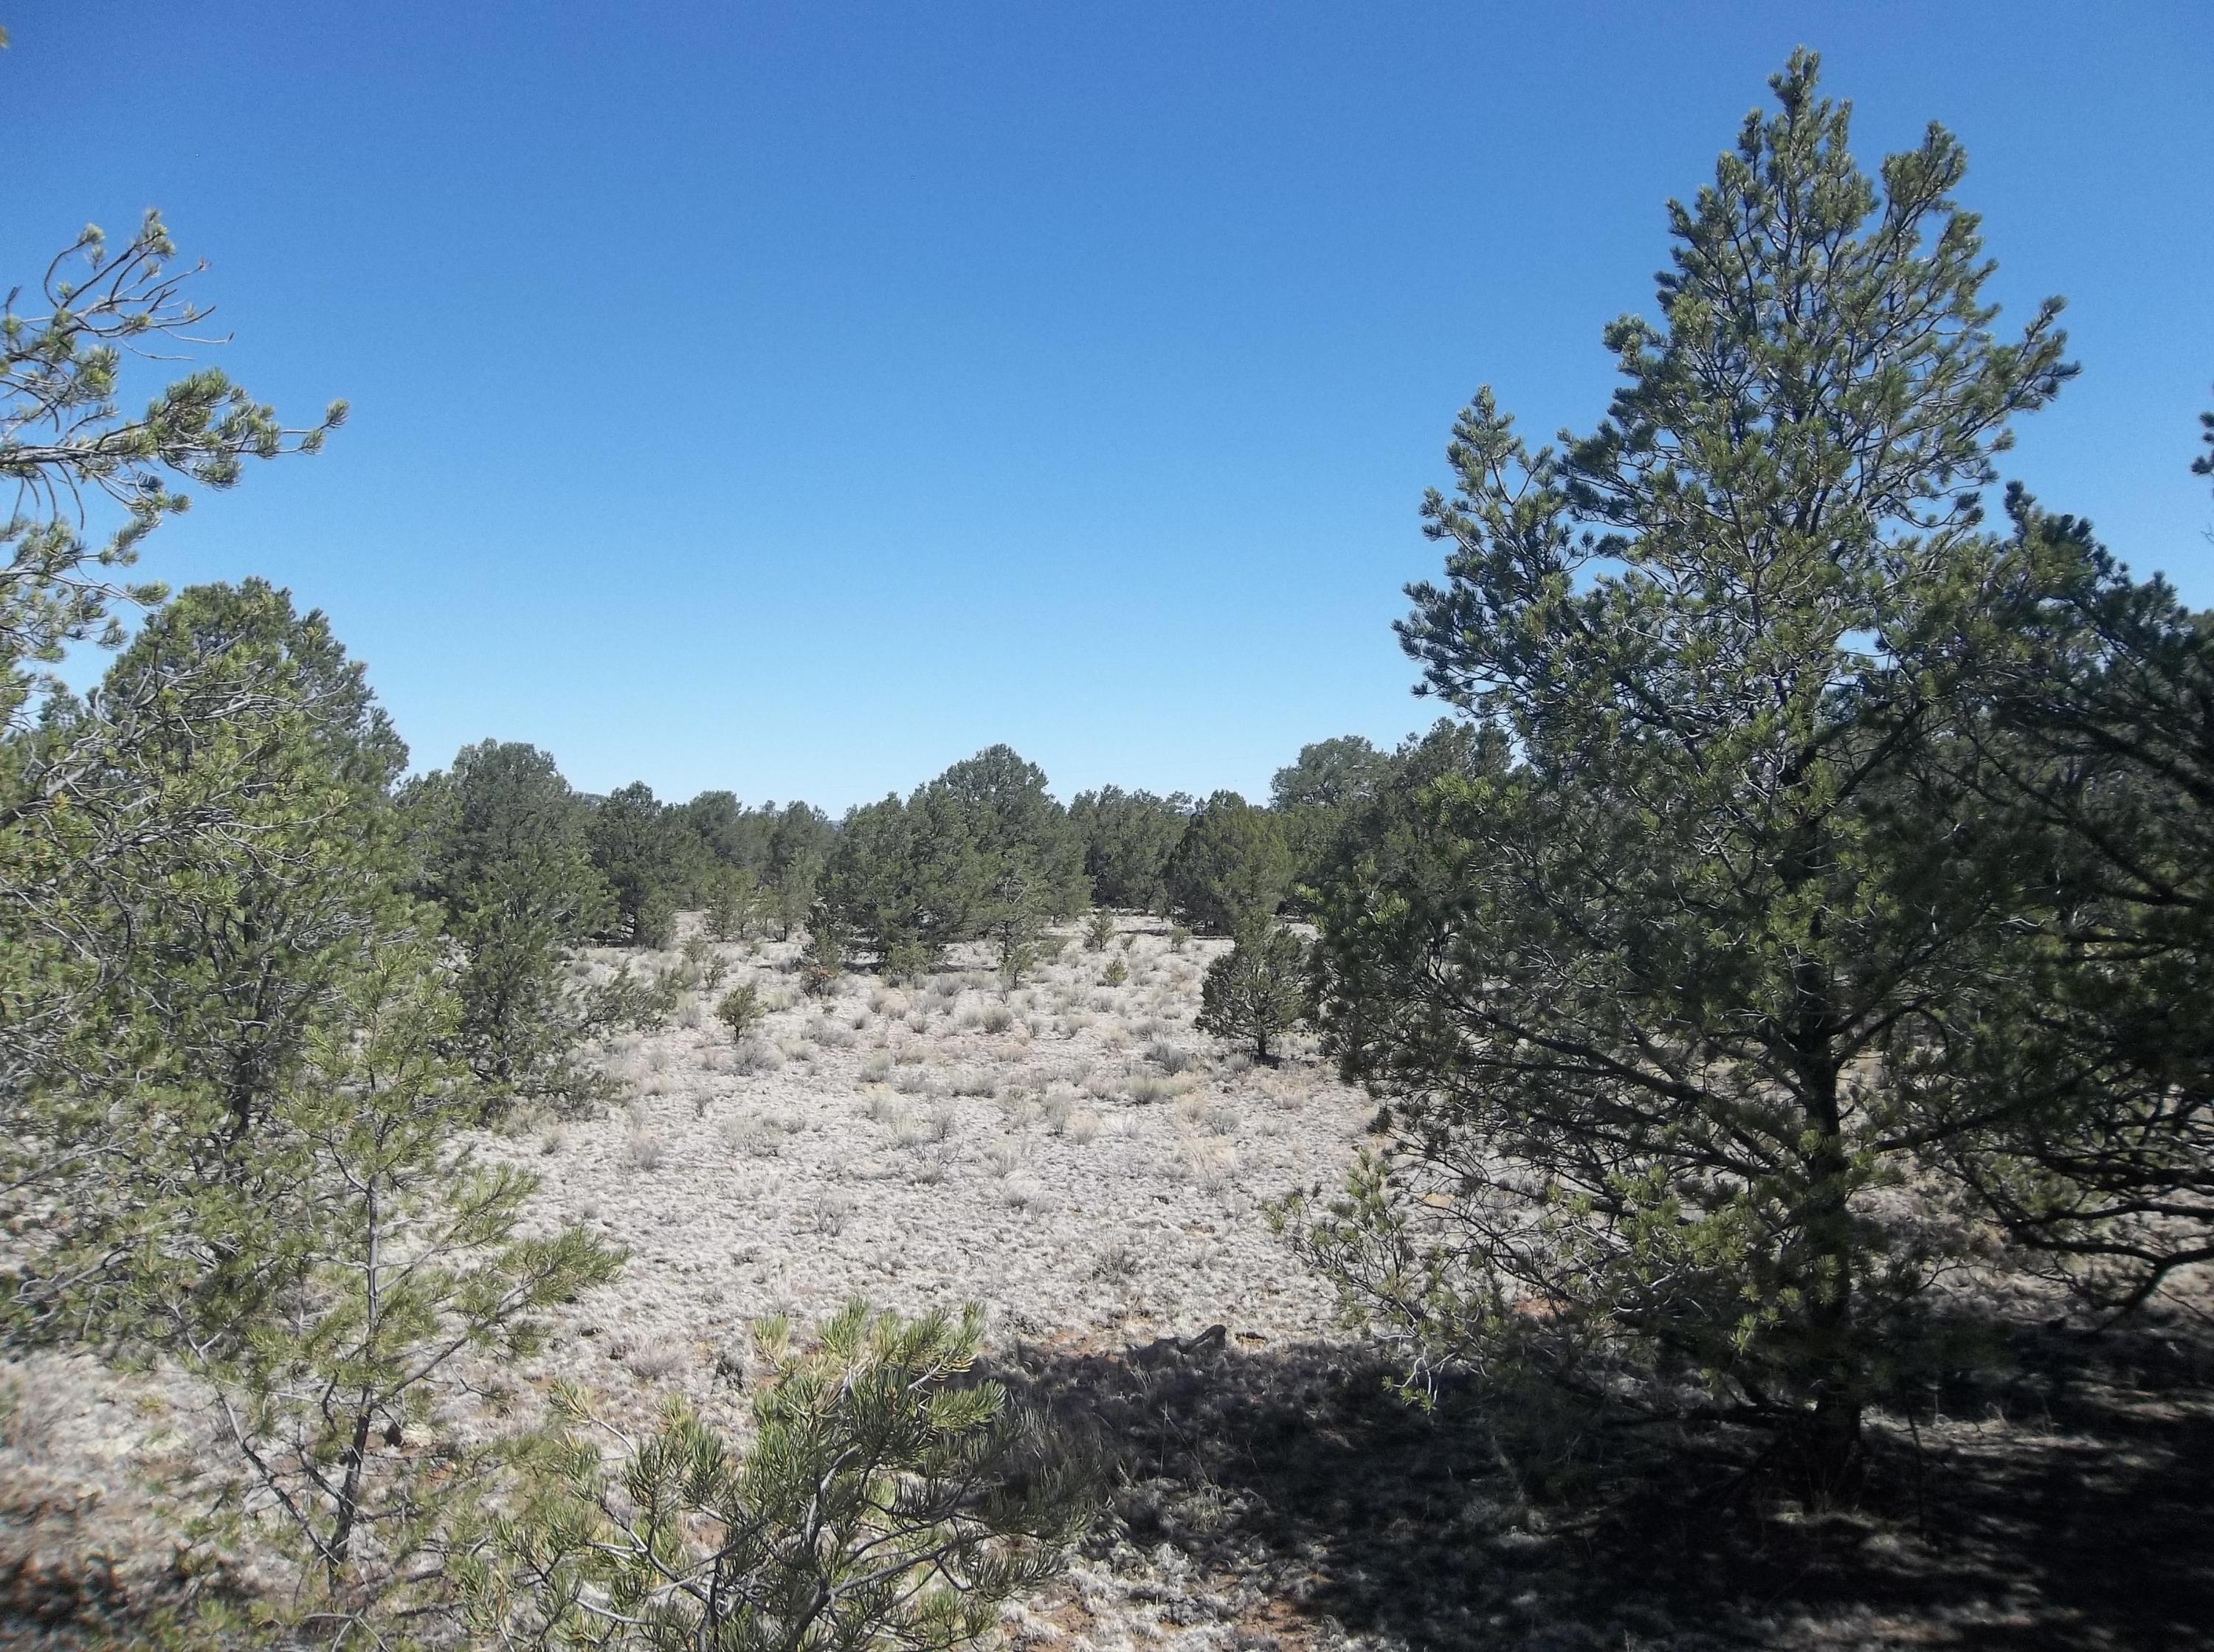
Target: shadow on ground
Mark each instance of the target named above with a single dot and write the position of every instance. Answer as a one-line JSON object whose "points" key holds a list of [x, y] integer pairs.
{"points": [[2067, 1504]]}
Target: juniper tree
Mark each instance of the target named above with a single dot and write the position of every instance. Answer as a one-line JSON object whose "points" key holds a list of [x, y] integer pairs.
{"points": [[1645, 1004], [502, 845], [1230, 867], [1128, 840]]}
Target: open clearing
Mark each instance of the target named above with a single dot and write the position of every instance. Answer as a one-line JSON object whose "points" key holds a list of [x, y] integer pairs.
{"points": [[1076, 1159]]}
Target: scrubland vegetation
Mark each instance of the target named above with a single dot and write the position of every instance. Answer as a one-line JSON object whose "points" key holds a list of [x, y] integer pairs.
{"points": [[1709, 1145]]}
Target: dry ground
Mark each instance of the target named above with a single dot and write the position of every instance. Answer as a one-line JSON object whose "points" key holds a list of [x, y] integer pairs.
{"points": [[1076, 1158]]}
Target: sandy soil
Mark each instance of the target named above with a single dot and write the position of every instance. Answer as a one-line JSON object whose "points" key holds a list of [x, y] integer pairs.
{"points": [[1072, 1155]]}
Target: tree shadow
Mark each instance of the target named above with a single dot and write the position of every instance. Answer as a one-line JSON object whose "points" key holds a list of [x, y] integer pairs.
{"points": [[2065, 1503]]}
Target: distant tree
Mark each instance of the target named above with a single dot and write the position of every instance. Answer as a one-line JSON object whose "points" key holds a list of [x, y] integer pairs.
{"points": [[1258, 991], [1128, 840], [729, 834], [983, 851], [1663, 1009], [651, 861], [799, 845], [1230, 867], [1314, 796], [504, 846], [903, 879], [1031, 858]]}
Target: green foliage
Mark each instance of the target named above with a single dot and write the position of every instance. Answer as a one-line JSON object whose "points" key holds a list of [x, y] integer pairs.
{"points": [[74, 820], [1128, 838], [823, 959], [981, 852], [1313, 797], [1116, 973], [733, 903], [1098, 930], [1230, 868], [1030, 858], [623, 1000], [502, 845], [220, 954], [2091, 755], [392, 1257], [742, 1010], [1258, 991], [1179, 937], [888, 1498], [1656, 1008], [650, 859]]}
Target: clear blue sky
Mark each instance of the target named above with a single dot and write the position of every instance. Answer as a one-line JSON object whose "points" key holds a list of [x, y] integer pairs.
{"points": [[798, 397]]}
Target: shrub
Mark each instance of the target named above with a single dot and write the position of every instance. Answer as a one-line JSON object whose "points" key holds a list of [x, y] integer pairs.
{"points": [[1258, 991], [1098, 930], [1169, 1058], [1116, 973]]}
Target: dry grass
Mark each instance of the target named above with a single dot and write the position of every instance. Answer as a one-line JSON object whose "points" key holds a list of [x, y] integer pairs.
{"points": [[1097, 1182]]}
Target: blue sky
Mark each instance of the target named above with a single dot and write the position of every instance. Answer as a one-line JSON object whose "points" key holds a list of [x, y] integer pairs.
{"points": [[798, 397]]}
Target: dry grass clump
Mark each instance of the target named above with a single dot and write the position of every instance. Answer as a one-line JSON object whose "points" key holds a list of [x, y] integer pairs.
{"points": [[1169, 1058], [751, 1136], [754, 1057], [1207, 1160]]}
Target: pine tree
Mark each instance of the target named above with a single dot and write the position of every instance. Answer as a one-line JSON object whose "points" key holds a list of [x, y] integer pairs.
{"points": [[1258, 991], [886, 1498], [1647, 1007]]}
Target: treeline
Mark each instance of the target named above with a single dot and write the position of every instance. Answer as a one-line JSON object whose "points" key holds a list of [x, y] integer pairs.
{"points": [[526, 866]]}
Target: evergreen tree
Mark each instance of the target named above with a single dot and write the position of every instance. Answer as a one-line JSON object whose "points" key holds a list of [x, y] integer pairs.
{"points": [[1128, 837], [1230, 867], [651, 861], [799, 845], [1313, 797], [69, 811], [1655, 1046], [886, 1498], [1258, 991], [503, 846]]}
